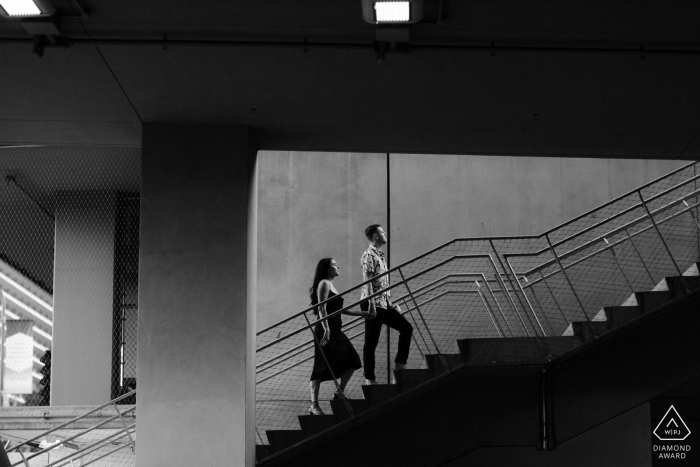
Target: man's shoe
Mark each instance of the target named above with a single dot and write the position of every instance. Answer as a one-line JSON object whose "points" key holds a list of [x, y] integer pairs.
{"points": [[398, 366], [370, 382]]}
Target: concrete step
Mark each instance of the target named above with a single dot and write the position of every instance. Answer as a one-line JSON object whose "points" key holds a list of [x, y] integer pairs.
{"points": [[515, 349], [676, 287], [435, 362], [649, 301], [378, 393], [314, 424], [586, 331], [410, 378], [619, 315], [282, 439], [341, 413], [262, 451]]}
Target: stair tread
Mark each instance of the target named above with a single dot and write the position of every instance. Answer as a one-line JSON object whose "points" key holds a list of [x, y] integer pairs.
{"points": [[377, 393], [514, 349], [619, 315], [314, 424], [282, 439], [341, 413], [410, 378], [588, 330], [262, 451], [651, 300]]}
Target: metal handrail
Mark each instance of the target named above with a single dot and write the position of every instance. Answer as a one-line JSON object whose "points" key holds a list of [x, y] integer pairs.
{"points": [[519, 298], [376, 294], [517, 237], [602, 238], [127, 430], [355, 322], [305, 346], [80, 417]]}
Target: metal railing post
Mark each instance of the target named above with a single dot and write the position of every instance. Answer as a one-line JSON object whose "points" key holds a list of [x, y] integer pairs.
{"points": [[346, 403], [634, 245], [417, 328], [619, 266], [500, 310], [692, 215], [388, 355], [505, 271], [539, 304], [534, 315], [441, 357], [489, 311], [566, 276], [2, 351], [503, 287], [663, 240], [123, 422]]}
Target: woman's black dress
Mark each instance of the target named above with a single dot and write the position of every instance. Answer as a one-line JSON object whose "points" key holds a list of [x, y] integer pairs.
{"points": [[339, 351]]}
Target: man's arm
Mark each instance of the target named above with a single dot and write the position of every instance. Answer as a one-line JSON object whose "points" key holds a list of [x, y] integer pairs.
{"points": [[370, 289], [368, 270]]}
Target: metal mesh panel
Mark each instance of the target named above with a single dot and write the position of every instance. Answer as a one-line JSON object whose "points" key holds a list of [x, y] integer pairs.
{"points": [[69, 262], [540, 296]]}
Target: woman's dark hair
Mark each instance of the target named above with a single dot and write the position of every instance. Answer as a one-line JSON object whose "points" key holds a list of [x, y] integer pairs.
{"points": [[321, 273]]}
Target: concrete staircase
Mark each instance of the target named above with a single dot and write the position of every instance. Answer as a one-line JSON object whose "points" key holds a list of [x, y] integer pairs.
{"points": [[499, 355]]}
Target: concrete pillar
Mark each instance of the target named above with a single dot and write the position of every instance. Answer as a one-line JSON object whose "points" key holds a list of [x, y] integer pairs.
{"points": [[196, 339], [81, 361]]}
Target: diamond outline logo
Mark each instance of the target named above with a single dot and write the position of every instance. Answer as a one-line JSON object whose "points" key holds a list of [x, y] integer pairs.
{"points": [[673, 419]]}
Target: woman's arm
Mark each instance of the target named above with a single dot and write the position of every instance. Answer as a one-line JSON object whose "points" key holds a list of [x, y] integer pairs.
{"points": [[322, 293], [356, 313]]}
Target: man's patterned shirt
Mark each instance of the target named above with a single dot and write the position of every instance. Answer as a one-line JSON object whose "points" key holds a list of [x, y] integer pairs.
{"points": [[373, 262]]}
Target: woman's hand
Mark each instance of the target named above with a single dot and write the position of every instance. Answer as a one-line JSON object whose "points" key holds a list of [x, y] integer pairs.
{"points": [[326, 337]]}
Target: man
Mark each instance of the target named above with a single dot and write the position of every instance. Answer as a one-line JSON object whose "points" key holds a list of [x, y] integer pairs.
{"points": [[381, 310]]}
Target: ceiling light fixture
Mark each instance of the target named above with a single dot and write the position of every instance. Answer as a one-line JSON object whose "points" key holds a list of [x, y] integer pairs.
{"points": [[26, 8], [392, 12]]}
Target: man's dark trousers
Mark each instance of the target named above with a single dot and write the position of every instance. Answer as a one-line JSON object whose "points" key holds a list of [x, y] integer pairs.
{"points": [[373, 328]]}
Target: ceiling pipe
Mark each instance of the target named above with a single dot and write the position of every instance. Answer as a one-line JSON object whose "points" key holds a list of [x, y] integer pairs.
{"points": [[305, 45]]}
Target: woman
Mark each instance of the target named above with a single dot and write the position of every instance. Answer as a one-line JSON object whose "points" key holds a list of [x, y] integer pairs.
{"points": [[338, 350]]}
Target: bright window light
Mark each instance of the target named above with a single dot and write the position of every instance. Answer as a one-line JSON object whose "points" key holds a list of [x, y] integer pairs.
{"points": [[20, 7], [392, 12]]}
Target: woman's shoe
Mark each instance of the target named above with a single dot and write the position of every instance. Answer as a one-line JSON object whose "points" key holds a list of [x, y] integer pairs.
{"points": [[315, 409], [339, 394]]}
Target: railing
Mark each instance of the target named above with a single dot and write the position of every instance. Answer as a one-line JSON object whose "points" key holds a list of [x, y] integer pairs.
{"points": [[89, 438], [500, 287]]}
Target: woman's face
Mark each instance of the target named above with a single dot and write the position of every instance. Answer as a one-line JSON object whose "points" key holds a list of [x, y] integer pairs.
{"points": [[333, 269]]}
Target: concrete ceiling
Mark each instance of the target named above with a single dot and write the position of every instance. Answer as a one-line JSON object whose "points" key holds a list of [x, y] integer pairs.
{"points": [[521, 77]]}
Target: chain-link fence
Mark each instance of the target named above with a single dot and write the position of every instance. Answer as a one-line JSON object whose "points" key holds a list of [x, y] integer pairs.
{"points": [[486, 300], [68, 274]]}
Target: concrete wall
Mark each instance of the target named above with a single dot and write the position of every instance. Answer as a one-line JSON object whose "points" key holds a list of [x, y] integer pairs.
{"points": [[318, 204], [312, 206], [197, 278], [81, 362]]}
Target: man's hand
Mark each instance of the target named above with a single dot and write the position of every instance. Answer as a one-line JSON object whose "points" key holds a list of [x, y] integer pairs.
{"points": [[397, 308], [372, 312]]}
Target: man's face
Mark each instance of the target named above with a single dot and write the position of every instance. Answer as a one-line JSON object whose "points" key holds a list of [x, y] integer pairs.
{"points": [[381, 236]]}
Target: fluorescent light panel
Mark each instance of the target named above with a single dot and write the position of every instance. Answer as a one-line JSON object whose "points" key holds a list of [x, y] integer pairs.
{"points": [[392, 12], [20, 7]]}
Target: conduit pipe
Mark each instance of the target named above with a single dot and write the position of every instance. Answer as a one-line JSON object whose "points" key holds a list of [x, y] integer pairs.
{"points": [[66, 42]]}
